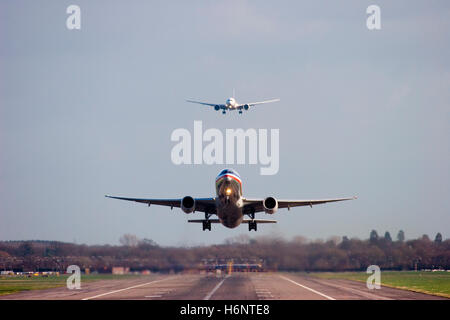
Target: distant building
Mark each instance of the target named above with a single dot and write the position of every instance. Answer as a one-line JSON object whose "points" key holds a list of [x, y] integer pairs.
{"points": [[120, 270], [7, 273]]}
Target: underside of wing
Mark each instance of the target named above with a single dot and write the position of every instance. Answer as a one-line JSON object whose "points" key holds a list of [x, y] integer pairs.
{"points": [[207, 103], [201, 204], [251, 104], [256, 205]]}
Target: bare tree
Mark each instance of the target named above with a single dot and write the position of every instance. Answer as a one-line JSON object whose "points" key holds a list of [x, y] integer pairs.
{"points": [[129, 240], [401, 236], [373, 236], [387, 236]]}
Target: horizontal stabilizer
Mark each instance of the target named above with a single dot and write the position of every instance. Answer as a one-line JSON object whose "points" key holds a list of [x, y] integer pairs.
{"points": [[244, 221], [260, 221], [203, 220]]}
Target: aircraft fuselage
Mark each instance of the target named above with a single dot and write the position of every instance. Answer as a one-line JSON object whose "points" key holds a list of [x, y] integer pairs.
{"points": [[231, 103], [229, 201]]}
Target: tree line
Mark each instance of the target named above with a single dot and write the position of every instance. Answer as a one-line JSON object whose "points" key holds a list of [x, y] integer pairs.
{"points": [[297, 254]]}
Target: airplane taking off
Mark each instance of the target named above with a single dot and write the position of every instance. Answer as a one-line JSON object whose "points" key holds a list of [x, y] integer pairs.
{"points": [[229, 205], [232, 104]]}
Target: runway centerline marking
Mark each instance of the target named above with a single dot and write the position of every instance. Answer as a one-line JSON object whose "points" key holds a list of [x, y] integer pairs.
{"points": [[307, 288], [209, 295], [136, 286], [263, 293]]}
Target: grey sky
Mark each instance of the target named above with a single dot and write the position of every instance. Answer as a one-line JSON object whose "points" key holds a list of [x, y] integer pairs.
{"points": [[90, 112]]}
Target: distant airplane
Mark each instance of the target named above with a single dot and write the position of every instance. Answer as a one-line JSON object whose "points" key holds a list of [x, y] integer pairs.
{"points": [[232, 104], [229, 205]]}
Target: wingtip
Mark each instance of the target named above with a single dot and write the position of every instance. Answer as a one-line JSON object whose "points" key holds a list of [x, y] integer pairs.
{"points": [[355, 197]]}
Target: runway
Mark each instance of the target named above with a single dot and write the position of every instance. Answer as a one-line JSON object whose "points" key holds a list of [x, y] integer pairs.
{"points": [[237, 286]]}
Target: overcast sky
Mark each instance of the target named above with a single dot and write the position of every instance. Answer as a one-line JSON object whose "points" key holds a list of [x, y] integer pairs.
{"points": [[89, 112]]}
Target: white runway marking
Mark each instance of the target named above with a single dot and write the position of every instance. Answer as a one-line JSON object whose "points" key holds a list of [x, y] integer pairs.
{"points": [[359, 292], [137, 286], [154, 296], [307, 288], [263, 293], [162, 292], [209, 295]]}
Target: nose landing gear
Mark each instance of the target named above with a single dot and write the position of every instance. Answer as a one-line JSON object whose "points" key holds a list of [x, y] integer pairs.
{"points": [[252, 226], [206, 225]]}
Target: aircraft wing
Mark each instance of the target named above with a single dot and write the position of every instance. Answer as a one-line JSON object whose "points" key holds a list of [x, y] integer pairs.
{"points": [[257, 204], [201, 204], [207, 103], [251, 104]]}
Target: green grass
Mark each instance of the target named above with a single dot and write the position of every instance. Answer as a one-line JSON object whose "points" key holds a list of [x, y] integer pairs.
{"points": [[436, 283], [14, 284]]}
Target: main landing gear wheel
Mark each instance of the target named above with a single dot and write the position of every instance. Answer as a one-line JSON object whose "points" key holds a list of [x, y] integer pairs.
{"points": [[240, 111], [223, 112], [252, 226], [206, 225]]}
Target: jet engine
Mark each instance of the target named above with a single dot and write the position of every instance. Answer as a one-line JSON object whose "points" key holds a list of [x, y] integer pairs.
{"points": [[188, 204], [246, 106], [270, 205], [217, 107]]}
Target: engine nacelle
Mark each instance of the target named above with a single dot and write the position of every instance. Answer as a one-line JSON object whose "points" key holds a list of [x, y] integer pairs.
{"points": [[246, 106], [270, 205], [217, 108], [188, 204]]}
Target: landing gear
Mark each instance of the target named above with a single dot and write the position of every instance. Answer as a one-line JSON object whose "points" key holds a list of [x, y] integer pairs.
{"points": [[223, 112], [206, 225], [252, 226], [206, 222], [240, 111]]}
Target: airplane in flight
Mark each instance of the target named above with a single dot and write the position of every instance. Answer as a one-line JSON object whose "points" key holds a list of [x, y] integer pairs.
{"points": [[232, 104], [229, 204]]}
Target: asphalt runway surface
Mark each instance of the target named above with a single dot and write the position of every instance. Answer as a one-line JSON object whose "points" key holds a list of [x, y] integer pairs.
{"points": [[237, 286]]}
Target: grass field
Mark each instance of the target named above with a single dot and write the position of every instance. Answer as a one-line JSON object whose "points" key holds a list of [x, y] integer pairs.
{"points": [[437, 283], [13, 284]]}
